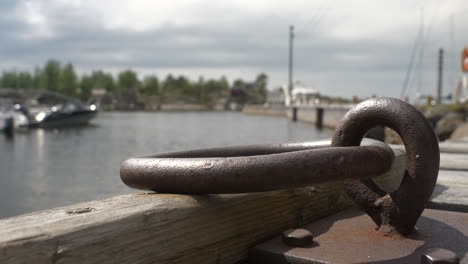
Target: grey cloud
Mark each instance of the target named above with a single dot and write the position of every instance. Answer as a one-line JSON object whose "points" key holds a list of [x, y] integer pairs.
{"points": [[259, 43]]}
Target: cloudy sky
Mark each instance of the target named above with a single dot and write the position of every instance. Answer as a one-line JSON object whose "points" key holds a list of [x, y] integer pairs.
{"points": [[342, 47]]}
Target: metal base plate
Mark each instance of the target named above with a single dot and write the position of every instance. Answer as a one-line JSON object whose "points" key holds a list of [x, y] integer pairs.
{"points": [[350, 237]]}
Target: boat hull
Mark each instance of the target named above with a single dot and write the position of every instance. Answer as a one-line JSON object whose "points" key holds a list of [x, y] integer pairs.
{"points": [[10, 121], [61, 119]]}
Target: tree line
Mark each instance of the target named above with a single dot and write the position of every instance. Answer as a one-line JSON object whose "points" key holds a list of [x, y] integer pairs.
{"points": [[62, 78]]}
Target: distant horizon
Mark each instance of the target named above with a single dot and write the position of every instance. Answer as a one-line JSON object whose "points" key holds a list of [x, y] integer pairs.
{"points": [[115, 72]]}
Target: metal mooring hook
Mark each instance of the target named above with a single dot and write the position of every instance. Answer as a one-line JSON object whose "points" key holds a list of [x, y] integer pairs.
{"points": [[259, 168], [399, 209]]}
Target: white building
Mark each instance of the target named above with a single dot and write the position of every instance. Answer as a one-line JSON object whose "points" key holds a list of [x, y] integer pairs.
{"points": [[301, 95]]}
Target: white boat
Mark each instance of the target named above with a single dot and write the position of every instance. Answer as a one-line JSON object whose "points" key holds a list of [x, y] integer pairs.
{"points": [[23, 109], [13, 114], [13, 118], [51, 110]]}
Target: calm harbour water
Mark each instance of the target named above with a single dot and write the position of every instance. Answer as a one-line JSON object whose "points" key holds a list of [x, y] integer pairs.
{"points": [[41, 169]]}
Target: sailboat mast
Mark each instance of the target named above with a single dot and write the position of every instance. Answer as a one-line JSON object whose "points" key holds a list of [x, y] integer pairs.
{"points": [[421, 54]]}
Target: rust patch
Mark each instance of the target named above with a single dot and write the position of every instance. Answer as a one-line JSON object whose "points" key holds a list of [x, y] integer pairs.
{"points": [[350, 237]]}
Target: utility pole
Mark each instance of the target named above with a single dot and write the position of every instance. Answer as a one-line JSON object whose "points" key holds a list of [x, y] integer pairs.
{"points": [[439, 75], [290, 83]]}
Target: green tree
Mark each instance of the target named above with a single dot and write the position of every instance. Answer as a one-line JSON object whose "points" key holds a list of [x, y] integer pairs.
{"points": [[68, 80], [182, 86], [224, 84], [168, 84], [239, 83], [212, 90], [50, 76], [9, 79], [37, 77], [202, 95], [104, 80], [25, 80], [151, 85], [128, 81], [261, 85], [86, 86]]}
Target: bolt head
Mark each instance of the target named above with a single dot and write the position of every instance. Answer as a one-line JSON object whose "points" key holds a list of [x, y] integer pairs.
{"points": [[439, 256], [297, 237]]}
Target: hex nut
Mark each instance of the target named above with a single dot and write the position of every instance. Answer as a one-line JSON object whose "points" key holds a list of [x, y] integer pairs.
{"points": [[439, 256], [297, 237]]}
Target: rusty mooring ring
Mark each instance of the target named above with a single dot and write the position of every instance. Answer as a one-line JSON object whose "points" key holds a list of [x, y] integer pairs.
{"points": [[270, 167], [255, 168], [398, 210]]}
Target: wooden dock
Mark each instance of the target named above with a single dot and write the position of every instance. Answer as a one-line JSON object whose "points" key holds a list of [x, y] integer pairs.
{"points": [[169, 228], [451, 192]]}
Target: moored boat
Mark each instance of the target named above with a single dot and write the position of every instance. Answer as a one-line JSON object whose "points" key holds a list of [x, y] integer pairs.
{"points": [[47, 109], [21, 109], [13, 115], [13, 119]]}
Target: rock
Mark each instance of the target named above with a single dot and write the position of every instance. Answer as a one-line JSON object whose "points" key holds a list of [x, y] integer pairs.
{"points": [[460, 132], [377, 133], [391, 137], [434, 114], [448, 124]]}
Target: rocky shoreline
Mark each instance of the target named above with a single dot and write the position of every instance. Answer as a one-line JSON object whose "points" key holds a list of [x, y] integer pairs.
{"points": [[448, 121]]}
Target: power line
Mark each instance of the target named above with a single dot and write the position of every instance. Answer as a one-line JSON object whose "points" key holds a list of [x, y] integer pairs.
{"points": [[411, 62], [452, 80], [426, 38], [421, 39], [312, 24], [421, 54]]}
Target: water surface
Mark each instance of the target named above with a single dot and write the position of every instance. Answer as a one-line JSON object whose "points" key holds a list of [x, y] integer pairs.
{"points": [[41, 169]]}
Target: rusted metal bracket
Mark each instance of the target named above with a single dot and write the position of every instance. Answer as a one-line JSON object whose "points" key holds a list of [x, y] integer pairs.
{"points": [[270, 167], [349, 237]]}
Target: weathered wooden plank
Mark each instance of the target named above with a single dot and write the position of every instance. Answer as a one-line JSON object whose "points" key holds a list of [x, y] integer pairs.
{"points": [[462, 140], [451, 191], [453, 177], [454, 146], [160, 228], [449, 146], [167, 228], [446, 147], [452, 161], [450, 197]]}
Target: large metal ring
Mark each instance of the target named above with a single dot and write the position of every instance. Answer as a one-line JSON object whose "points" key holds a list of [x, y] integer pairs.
{"points": [[398, 210], [255, 168]]}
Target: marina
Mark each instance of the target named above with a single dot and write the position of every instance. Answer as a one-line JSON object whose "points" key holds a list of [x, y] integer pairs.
{"points": [[148, 226], [86, 159], [153, 227], [299, 132]]}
